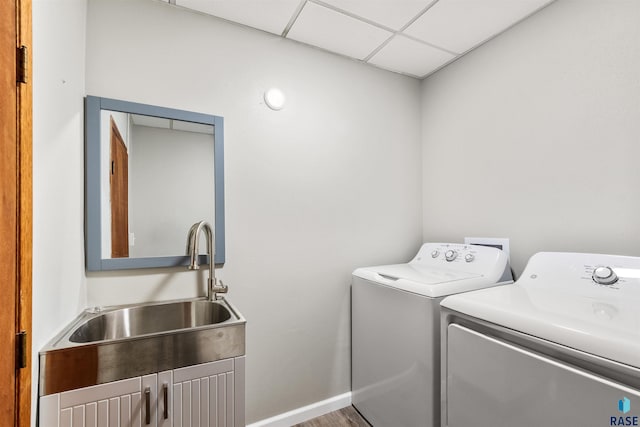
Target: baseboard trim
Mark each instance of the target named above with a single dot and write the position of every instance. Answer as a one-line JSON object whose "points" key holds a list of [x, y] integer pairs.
{"points": [[306, 412]]}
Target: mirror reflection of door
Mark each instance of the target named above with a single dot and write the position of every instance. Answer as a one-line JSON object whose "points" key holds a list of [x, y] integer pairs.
{"points": [[119, 184]]}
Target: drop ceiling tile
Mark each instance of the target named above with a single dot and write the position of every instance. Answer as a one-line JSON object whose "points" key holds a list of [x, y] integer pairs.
{"points": [[392, 14], [459, 25], [323, 27], [268, 15], [408, 56]]}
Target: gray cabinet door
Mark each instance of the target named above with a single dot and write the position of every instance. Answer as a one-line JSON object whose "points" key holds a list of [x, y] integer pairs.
{"points": [[210, 394], [119, 403], [492, 383]]}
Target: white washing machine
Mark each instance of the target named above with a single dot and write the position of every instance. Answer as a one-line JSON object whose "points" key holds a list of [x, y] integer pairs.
{"points": [[395, 325], [560, 347]]}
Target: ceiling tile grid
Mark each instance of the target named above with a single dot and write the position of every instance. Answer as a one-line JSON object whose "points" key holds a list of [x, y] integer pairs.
{"points": [[334, 31], [380, 12], [266, 15], [407, 56], [460, 25], [411, 37]]}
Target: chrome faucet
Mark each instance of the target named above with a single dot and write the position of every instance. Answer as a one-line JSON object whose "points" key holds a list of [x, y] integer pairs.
{"points": [[214, 286]]}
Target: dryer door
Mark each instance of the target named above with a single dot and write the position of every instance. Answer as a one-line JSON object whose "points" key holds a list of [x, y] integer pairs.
{"points": [[492, 383]]}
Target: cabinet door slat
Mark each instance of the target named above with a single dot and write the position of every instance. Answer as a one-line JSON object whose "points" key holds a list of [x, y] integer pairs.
{"points": [[103, 413], [222, 400], [91, 414], [66, 417], [204, 402], [136, 410], [229, 397], [177, 405], [213, 401], [125, 410], [78, 416], [186, 403], [195, 403], [114, 412]]}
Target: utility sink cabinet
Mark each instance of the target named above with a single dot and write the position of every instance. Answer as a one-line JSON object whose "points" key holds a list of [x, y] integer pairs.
{"points": [[167, 364], [207, 394]]}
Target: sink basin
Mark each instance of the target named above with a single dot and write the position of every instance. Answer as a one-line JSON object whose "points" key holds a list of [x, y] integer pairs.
{"points": [[114, 343], [150, 319]]}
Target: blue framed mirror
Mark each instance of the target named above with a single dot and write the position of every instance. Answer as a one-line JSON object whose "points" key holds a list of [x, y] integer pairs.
{"points": [[150, 173]]}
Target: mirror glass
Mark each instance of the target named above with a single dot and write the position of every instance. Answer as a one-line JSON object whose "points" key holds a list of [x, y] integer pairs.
{"points": [[152, 172]]}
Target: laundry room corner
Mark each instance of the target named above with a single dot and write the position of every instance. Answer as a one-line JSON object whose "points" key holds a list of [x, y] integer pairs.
{"points": [[535, 135]]}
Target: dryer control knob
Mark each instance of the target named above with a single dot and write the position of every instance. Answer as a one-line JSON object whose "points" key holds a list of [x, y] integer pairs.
{"points": [[450, 255], [469, 257], [435, 253], [604, 276]]}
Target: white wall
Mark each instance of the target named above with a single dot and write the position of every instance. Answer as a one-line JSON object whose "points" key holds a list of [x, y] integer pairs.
{"points": [[534, 136], [59, 288], [330, 183]]}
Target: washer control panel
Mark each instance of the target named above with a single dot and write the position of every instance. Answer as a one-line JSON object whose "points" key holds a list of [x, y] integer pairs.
{"points": [[459, 256]]}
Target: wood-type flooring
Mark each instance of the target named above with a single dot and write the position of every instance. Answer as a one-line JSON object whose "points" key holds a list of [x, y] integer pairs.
{"points": [[345, 417]]}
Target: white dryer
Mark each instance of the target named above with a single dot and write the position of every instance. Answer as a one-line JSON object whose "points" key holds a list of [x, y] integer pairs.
{"points": [[396, 329], [560, 347]]}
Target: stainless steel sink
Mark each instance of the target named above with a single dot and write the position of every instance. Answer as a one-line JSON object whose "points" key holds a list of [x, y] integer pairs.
{"points": [[103, 345], [150, 319]]}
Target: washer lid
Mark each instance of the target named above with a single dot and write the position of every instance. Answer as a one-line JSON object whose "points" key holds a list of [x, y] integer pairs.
{"points": [[423, 281], [418, 274], [556, 299]]}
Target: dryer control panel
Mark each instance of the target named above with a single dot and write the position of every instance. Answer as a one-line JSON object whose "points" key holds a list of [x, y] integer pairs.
{"points": [[586, 274]]}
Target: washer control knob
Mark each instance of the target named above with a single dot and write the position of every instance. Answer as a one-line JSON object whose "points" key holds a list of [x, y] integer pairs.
{"points": [[469, 257], [435, 253], [604, 276], [450, 255]]}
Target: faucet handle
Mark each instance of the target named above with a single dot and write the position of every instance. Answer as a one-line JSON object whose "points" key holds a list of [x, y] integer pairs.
{"points": [[220, 287], [217, 287]]}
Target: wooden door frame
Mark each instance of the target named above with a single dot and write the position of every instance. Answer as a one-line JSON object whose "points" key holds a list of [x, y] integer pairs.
{"points": [[9, 207], [25, 217], [17, 184]]}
